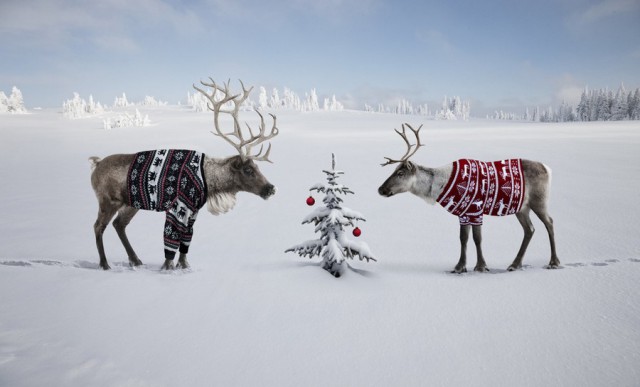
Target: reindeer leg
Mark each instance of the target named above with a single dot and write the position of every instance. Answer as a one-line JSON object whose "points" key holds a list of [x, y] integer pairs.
{"points": [[527, 226], [548, 224], [461, 267], [125, 214], [106, 211], [182, 261], [481, 265]]}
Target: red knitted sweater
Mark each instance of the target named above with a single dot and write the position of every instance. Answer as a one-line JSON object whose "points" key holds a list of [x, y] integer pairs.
{"points": [[478, 188]]}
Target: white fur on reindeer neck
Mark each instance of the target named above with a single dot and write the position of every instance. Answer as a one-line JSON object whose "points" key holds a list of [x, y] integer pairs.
{"points": [[220, 203]]}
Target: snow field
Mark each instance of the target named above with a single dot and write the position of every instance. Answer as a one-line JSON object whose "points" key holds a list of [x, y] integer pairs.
{"points": [[249, 314]]}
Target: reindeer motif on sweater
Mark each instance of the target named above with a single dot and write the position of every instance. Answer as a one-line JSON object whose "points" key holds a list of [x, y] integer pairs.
{"points": [[170, 181], [478, 188]]}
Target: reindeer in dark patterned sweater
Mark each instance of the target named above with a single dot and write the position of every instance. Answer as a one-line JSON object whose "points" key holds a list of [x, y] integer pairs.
{"points": [[180, 182]]}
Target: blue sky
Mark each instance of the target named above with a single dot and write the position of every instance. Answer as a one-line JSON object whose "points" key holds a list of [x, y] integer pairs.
{"points": [[497, 54]]}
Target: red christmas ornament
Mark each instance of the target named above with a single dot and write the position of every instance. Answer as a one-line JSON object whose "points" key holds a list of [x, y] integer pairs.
{"points": [[311, 201], [357, 232]]}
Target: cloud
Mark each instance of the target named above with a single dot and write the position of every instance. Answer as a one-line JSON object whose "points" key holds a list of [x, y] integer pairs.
{"points": [[103, 23], [604, 9], [278, 12], [608, 8]]}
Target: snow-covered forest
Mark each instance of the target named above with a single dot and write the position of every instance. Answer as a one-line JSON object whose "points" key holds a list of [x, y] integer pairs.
{"points": [[287, 100], [451, 109], [594, 105]]}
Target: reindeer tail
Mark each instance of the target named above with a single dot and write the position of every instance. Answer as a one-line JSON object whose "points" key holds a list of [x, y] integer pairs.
{"points": [[549, 172], [94, 162]]}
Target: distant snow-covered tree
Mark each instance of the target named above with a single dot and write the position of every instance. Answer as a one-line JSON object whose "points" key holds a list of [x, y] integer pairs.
{"points": [[127, 120], [14, 103], [79, 108], [332, 104], [290, 100], [4, 103], [454, 109], [619, 105], [75, 107], [605, 100], [311, 101], [263, 102], [151, 102], [584, 107], [197, 101], [634, 105], [121, 101], [423, 110], [274, 103]]}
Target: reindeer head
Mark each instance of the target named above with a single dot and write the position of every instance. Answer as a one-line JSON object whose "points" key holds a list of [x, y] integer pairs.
{"points": [[403, 178], [237, 173]]}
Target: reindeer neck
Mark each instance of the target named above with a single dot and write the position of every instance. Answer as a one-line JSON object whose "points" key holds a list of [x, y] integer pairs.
{"points": [[218, 176], [430, 182]]}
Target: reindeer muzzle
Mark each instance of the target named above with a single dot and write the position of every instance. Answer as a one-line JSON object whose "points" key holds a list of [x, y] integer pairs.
{"points": [[267, 191], [384, 191]]}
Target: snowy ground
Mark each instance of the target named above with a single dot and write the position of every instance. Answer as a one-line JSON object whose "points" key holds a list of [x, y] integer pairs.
{"points": [[248, 314]]}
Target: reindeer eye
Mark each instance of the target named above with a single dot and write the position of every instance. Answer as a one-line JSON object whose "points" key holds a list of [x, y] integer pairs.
{"points": [[400, 173], [248, 171]]}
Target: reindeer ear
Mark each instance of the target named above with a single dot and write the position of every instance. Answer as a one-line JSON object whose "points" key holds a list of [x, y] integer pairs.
{"points": [[410, 166], [236, 162]]}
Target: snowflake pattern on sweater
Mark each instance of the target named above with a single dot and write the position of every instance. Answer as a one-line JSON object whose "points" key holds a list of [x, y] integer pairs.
{"points": [[170, 181], [478, 188]]}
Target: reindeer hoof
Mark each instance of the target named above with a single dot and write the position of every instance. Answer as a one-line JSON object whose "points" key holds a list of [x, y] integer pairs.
{"points": [[553, 264], [459, 270], [135, 262], [481, 269], [513, 268], [168, 265], [105, 266], [182, 265]]}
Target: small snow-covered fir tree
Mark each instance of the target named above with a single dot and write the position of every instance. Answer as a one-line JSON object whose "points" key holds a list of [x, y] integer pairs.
{"points": [[331, 220]]}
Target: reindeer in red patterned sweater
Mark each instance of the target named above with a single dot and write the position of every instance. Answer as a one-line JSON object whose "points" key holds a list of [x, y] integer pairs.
{"points": [[472, 188]]}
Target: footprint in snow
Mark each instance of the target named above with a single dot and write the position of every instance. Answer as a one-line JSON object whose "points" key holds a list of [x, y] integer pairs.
{"points": [[634, 260], [15, 263]]}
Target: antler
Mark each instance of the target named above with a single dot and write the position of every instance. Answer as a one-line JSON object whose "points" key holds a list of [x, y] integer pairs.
{"points": [[243, 146], [411, 149]]}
